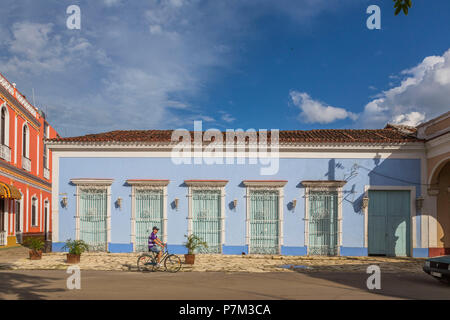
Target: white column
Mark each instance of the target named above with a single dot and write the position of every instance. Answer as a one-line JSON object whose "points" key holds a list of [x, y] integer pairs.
{"points": [[15, 140], [247, 217], [165, 215], [222, 217], [108, 218], [133, 217], [280, 219], [41, 212], [189, 217], [55, 197], [37, 155], [27, 211]]}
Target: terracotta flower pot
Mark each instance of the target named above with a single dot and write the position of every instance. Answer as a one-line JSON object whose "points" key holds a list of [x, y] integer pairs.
{"points": [[73, 258], [189, 258], [35, 255]]}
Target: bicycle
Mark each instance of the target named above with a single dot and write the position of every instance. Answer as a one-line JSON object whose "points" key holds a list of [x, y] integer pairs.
{"points": [[147, 261]]}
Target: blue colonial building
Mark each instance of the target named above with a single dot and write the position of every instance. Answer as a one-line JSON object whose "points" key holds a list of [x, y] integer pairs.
{"points": [[328, 192]]}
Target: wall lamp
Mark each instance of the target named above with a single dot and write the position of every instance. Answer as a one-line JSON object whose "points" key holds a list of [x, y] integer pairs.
{"points": [[234, 203], [119, 203], [419, 203], [294, 203], [176, 202], [365, 201], [64, 201]]}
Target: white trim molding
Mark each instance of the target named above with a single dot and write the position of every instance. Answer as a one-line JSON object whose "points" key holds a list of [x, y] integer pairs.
{"points": [[139, 184], [207, 185], [412, 194], [94, 183], [323, 185], [277, 185]]}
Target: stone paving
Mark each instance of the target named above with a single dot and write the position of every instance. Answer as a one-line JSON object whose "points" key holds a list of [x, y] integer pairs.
{"points": [[223, 263]]}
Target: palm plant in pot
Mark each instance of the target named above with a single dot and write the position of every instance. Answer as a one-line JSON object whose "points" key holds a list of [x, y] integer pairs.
{"points": [[76, 248], [35, 245], [193, 242]]}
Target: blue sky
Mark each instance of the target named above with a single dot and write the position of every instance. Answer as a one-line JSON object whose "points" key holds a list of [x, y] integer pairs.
{"points": [[299, 64]]}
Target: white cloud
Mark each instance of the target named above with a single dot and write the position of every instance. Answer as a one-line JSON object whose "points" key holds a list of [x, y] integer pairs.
{"points": [[313, 111], [141, 65], [112, 3], [36, 48], [422, 94], [412, 119], [228, 118]]}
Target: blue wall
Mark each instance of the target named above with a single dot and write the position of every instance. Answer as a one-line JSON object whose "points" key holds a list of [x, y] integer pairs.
{"points": [[389, 172]]}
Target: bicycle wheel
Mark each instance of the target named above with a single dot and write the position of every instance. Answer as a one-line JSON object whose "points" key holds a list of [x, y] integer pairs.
{"points": [[145, 262], [172, 263]]}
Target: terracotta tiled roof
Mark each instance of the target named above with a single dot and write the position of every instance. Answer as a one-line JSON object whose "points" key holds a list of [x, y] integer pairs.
{"points": [[390, 134]]}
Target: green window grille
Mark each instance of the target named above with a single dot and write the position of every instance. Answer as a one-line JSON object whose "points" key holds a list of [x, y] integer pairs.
{"points": [[264, 222], [323, 223], [93, 218], [149, 208], [206, 219]]}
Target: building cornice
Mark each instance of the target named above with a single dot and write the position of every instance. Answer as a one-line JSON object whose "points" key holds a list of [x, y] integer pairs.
{"points": [[22, 174], [283, 147], [264, 183], [19, 103], [206, 183], [147, 182], [91, 181], [323, 183]]}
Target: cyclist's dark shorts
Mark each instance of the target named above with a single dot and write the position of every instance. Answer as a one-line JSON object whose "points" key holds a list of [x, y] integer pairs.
{"points": [[154, 249]]}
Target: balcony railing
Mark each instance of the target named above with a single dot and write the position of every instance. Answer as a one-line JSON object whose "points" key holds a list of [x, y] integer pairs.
{"points": [[26, 163], [2, 238], [46, 174], [5, 153]]}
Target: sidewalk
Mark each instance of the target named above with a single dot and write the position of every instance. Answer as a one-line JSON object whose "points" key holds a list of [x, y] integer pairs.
{"points": [[223, 263]]}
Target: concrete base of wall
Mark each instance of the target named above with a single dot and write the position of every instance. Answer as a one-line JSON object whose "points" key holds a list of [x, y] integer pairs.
{"points": [[420, 252], [285, 250], [353, 252], [235, 250], [293, 251], [120, 247]]}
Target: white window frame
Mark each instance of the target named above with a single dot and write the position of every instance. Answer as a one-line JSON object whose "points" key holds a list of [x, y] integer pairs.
{"points": [[412, 194], [323, 185], [94, 183], [25, 124], [5, 106], [207, 185], [147, 185], [46, 204], [34, 197], [277, 185], [21, 202]]}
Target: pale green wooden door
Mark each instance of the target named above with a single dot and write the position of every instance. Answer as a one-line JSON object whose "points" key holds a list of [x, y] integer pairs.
{"points": [[389, 230], [149, 213], [264, 222], [323, 223], [92, 215], [206, 219]]}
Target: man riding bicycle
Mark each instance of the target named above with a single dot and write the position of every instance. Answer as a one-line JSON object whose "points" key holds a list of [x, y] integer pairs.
{"points": [[153, 241]]}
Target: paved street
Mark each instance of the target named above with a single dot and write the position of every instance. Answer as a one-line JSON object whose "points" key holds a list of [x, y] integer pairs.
{"points": [[51, 284]]}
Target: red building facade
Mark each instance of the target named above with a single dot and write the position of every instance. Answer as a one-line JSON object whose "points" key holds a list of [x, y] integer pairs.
{"points": [[25, 169]]}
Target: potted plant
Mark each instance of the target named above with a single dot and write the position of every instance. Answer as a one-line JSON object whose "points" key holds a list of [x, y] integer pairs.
{"points": [[76, 248], [193, 242], [35, 245]]}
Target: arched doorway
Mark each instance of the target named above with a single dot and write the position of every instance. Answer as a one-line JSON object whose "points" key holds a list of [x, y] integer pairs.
{"points": [[440, 184]]}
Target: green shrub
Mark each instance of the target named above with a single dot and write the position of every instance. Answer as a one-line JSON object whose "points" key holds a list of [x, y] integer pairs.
{"points": [[34, 244], [76, 246], [193, 242]]}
